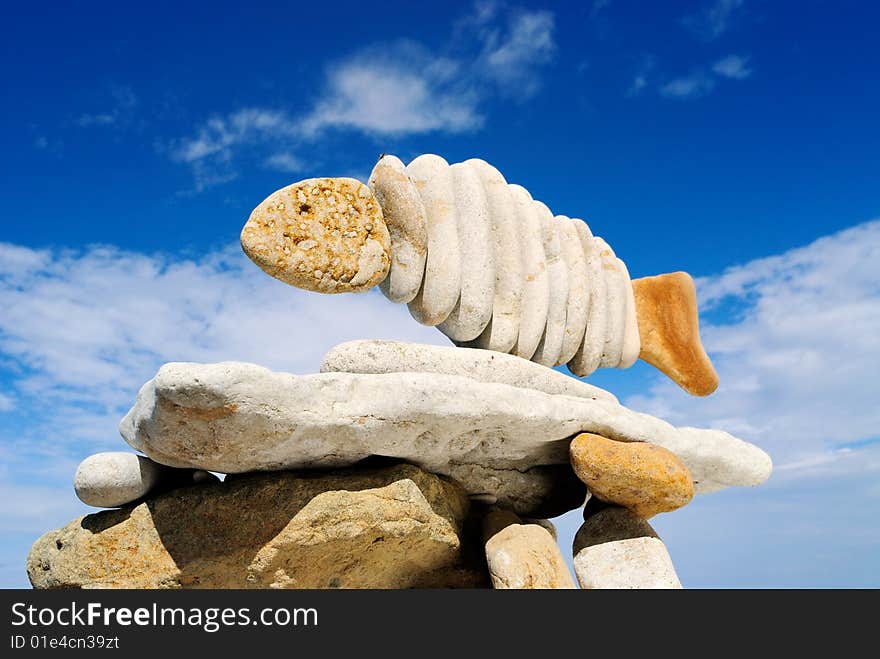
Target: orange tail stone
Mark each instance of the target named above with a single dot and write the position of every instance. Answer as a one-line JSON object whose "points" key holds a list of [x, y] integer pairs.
{"points": [[669, 330]]}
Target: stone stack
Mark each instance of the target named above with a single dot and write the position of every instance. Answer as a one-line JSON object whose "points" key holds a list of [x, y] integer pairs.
{"points": [[397, 466], [403, 465]]}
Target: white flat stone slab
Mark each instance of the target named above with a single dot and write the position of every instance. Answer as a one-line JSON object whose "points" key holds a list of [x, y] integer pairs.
{"points": [[504, 444], [374, 356]]}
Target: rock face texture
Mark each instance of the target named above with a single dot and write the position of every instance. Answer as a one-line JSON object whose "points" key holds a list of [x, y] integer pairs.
{"points": [[526, 556], [504, 444], [645, 478], [321, 234], [395, 527], [617, 549]]}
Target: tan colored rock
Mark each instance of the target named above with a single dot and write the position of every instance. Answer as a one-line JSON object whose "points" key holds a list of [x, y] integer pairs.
{"points": [[525, 556], [645, 478], [395, 527], [669, 331], [321, 234]]}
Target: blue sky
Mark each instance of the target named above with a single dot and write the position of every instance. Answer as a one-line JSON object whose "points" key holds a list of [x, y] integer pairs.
{"points": [[734, 139]]}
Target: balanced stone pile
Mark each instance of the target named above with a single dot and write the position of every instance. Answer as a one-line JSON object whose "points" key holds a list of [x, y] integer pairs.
{"points": [[404, 465]]}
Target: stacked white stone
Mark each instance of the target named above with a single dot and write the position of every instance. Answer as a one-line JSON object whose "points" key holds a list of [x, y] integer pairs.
{"points": [[492, 268], [463, 428]]}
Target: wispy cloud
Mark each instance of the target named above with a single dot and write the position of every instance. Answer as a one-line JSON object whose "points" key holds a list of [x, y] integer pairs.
{"points": [[511, 56], [700, 82], [284, 162], [691, 86], [121, 103], [388, 89], [394, 89], [713, 19], [733, 66], [643, 73]]}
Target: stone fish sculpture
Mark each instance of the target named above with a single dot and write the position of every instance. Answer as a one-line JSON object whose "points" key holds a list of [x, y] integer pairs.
{"points": [[485, 263], [330, 482]]}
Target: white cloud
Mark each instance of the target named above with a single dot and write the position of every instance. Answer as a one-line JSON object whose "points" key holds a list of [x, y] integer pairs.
{"points": [[732, 66], [713, 19], [6, 402], [388, 89], [510, 57], [392, 90], [797, 353], [695, 85], [218, 136], [90, 326], [284, 162]]}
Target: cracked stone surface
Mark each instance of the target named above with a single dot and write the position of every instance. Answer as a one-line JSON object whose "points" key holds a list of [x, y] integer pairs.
{"points": [[394, 527], [504, 444]]}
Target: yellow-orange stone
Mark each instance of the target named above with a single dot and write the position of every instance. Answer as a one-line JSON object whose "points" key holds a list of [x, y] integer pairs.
{"points": [[321, 234], [645, 478]]}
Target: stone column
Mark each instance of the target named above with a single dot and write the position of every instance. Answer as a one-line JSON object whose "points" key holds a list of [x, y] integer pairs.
{"points": [[615, 548], [523, 556]]}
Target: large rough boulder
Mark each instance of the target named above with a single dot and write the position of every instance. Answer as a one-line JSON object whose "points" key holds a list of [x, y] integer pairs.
{"points": [[391, 527]]}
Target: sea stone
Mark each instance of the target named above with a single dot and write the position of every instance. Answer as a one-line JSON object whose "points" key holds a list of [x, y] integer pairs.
{"points": [[441, 285], [550, 345], [645, 478], [503, 328], [506, 445], [631, 343], [669, 330], [615, 304], [375, 356], [111, 479], [578, 289], [396, 527], [525, 556], [407, 227], [321, 234], [536, 288], [586, 359], [474, 308], [615, 548]]}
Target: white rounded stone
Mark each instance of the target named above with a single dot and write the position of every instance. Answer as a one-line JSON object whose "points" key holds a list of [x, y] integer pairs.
{"points": [[374, 356], [615, 305], [476, 247], [586, 359], [442, 282], [578, 289], [503, 328], [550, 345], [536, 288], [631, 342], [404, 215], [111, 479], [626, 564]]}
